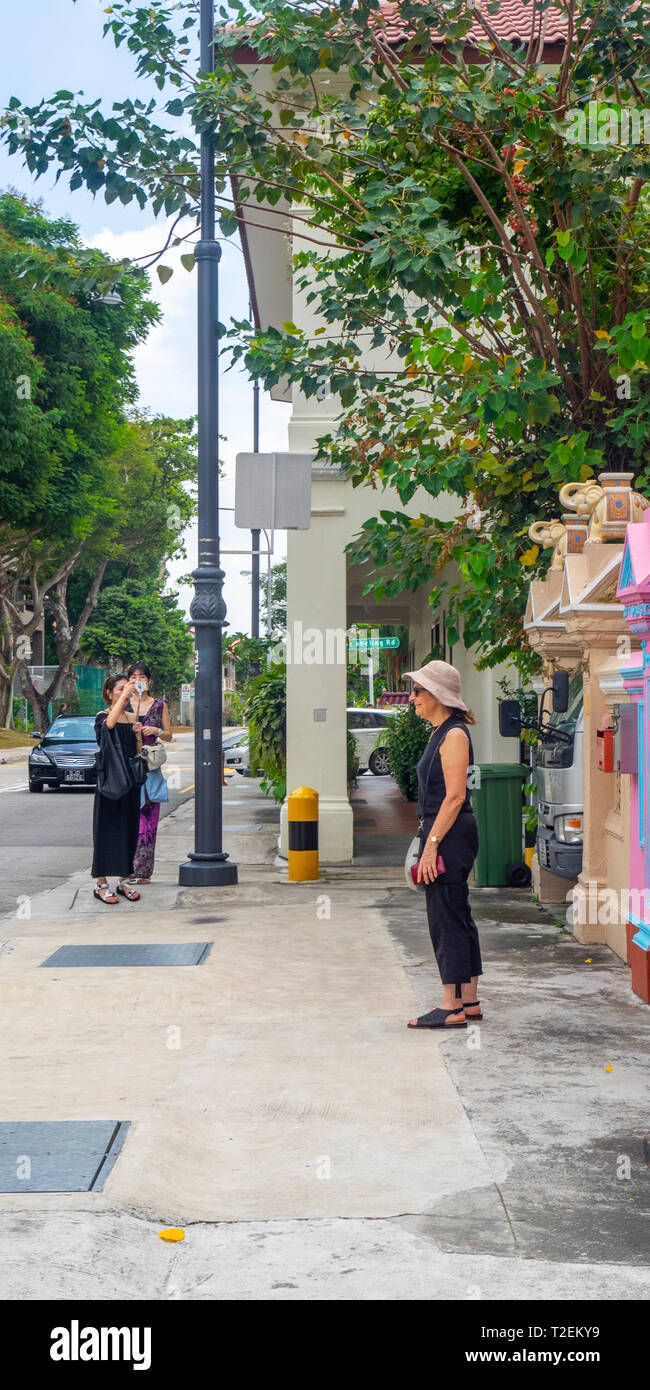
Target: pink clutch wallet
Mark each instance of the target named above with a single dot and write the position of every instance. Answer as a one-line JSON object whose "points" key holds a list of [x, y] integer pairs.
{"points": [[440, 867]]}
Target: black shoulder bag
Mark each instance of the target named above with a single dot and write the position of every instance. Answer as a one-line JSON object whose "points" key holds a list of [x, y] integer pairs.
{"points": [[117, 774]]}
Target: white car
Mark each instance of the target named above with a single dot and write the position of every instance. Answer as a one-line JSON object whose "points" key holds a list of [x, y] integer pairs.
{"points": [[236, 754], [366, 725]]}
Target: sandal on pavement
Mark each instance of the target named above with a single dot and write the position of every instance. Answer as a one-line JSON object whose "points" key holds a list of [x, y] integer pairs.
{"points": [[126, 892], [105, 895], [437, 1019], [473, 1005]]}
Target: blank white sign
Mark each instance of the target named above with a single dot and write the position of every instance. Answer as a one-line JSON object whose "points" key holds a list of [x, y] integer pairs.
{"points": [[273, 491]]}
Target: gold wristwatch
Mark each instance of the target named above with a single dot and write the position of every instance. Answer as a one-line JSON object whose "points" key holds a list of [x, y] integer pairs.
{"points": [[433, 840]]}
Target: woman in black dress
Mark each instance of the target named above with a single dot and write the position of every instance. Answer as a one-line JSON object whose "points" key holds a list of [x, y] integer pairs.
{"points": [[115, 823], [448, 833]]}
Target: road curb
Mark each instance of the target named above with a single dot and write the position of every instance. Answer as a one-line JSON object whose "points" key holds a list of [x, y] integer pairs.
{"points": [[14, 755]]}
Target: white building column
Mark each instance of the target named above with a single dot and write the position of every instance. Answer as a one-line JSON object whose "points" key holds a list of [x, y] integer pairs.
{"points": [[317, 669]]}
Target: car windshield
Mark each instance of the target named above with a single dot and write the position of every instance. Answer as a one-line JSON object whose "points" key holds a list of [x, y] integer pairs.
{"points": [[229, 740], [71, 731]]}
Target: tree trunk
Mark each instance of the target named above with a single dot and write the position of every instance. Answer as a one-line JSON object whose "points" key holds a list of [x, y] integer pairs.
{"points": [[39, 700], [6, 701], [18, 622], [67, 638]]}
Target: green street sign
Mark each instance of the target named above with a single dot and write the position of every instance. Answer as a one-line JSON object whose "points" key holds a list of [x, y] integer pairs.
{"points": [[366, 642]]}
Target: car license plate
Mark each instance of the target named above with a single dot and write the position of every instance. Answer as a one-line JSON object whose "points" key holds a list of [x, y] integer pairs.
{"points": [[74, 775]]}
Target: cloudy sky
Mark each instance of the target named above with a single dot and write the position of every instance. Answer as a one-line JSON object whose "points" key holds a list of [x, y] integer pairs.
{"points": [[54, 44]]}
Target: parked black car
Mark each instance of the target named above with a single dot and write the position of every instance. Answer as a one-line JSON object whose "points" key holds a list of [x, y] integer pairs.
{"points": [[65, 755]]}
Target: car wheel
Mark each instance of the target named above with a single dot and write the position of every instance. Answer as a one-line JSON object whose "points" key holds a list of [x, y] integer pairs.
{"points": [[36, 786], [379, 763]]}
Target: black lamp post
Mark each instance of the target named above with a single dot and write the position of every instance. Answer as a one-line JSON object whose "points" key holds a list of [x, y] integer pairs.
{"points": [[208, 866]]}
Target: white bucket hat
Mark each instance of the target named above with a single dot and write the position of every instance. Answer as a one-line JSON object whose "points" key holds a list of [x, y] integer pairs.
{"points": [[441, 679]]}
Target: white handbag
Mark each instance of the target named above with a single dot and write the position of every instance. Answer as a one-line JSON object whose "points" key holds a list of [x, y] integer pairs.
{"points": [[412, 857], [155, 754]]}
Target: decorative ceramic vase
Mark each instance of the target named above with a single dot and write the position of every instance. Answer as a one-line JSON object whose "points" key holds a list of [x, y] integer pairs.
{"points": [[576, 533], [618, 506]]}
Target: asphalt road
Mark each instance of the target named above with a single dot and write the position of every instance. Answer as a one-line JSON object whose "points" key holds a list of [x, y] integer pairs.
{"points": [[45, 838]]}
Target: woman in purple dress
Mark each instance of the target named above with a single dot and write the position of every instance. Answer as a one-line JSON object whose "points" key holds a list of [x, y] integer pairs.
{"points": [[151, 717]]}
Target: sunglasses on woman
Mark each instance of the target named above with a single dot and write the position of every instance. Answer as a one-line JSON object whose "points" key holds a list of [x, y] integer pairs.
{"points": [[417, 690]]}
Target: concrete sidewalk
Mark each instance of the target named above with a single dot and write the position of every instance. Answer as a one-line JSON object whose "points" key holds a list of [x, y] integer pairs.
{"points": [[281, 1112]]}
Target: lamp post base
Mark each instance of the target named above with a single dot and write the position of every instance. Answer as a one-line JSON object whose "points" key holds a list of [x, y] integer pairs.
{"points": [[206, 872]]}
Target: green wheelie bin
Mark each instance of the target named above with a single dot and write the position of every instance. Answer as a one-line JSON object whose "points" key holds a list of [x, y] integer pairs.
{"points": [[498, 807]]}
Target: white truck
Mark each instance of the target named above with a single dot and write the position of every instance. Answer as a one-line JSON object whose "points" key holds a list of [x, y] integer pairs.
{"points": [[558, 771]]}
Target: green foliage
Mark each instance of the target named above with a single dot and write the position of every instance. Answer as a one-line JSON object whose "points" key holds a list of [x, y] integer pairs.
{"points": [[386, 663], [73, 496], [266, 715], [67, 376], [352, 760], [502, 261], [248, 653], [233, 710], [133, 622], [274, 594], [406, 737]]}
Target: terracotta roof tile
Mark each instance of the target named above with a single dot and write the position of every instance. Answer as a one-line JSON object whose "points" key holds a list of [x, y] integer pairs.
{"points": [[512, 21]]}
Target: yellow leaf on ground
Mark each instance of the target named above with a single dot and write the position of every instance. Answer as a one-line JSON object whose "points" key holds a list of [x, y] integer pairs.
{"points": [[172, 1233]]}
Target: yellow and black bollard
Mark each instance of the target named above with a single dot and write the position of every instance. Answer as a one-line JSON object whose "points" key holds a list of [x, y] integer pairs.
{"points": [[303, 834]]}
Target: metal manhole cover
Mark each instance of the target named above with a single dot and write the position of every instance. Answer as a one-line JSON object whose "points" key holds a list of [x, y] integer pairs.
{"points": [[167, 953], [58, 1155]]}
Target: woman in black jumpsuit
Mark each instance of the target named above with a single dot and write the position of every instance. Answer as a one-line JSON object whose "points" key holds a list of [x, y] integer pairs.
{"points": [[116, 823], [447, 829]]}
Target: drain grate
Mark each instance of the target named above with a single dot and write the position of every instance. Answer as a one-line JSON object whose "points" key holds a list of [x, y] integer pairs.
{"points": [[58, 1155], [167, 953]]}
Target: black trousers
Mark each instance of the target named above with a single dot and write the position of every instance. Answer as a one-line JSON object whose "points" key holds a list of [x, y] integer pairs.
{"points": [[453, 931]]}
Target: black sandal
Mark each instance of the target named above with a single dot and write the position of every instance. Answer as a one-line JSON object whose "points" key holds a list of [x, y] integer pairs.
{"points": [[473, 1017], [437, 1018], [105, 895], [132, 895]]}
